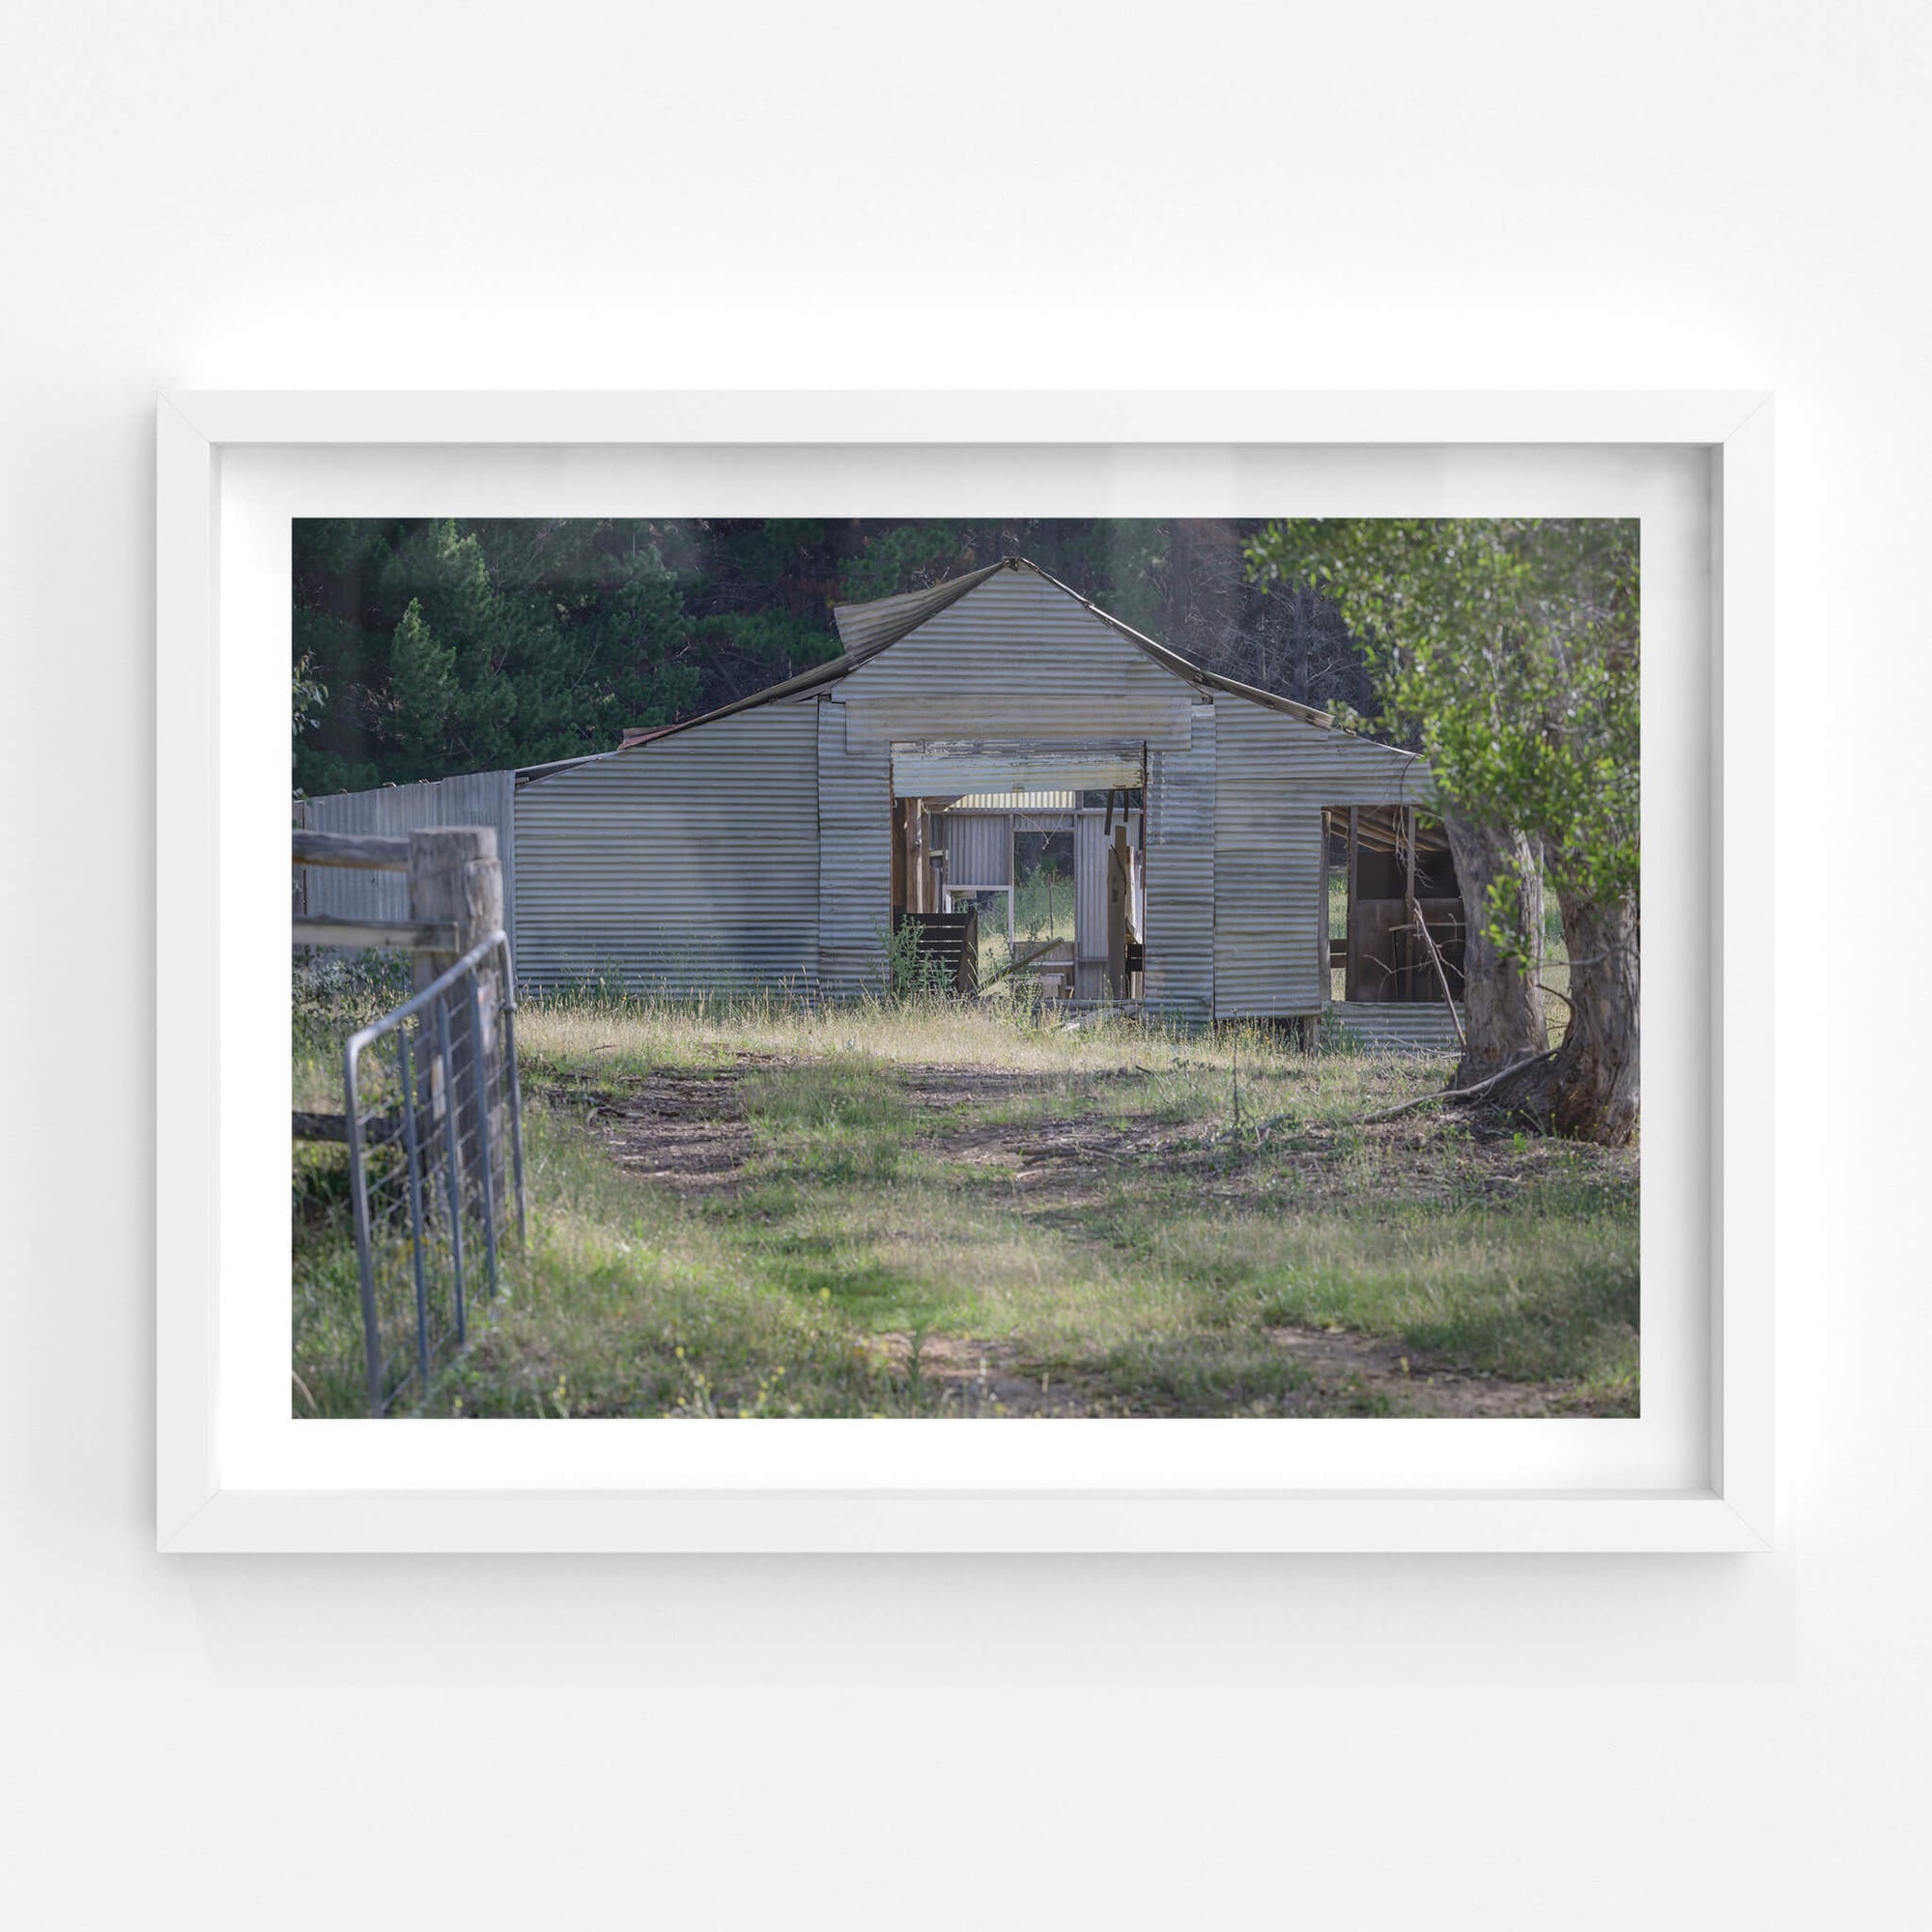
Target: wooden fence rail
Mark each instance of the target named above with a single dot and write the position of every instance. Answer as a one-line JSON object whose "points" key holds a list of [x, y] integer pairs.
{"points": [[354, 850]]}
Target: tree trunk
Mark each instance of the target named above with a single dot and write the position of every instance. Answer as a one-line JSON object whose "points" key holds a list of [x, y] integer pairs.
{"points": [[1502, 1005], [1587, 1090]]}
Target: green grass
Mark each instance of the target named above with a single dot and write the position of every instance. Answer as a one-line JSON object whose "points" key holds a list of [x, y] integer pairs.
{"points": [[1078, 1204]]}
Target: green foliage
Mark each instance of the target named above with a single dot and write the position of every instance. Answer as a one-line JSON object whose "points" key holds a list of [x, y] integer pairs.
{"points": [[449, 647], [428, 647], [1507, 649], [307, 697]]}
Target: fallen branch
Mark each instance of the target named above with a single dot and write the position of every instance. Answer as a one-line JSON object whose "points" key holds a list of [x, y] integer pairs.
{"points": [[1441, 974], [1471, 1093]]}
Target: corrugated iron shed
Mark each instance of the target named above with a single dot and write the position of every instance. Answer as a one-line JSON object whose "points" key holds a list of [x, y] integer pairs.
{"points": [[754, 844]]}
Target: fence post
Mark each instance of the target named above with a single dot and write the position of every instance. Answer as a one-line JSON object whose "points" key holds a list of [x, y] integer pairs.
{"points": [[456, 879]]}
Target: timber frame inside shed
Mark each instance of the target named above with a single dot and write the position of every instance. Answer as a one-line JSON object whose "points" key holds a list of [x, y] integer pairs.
{"points": [[1403, 903]]}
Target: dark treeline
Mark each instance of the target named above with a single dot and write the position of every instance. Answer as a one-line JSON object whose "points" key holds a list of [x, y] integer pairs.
{"points": [[425, 648]]}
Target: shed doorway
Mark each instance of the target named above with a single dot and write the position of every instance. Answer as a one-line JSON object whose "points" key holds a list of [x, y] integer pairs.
{"points": [[1055, 880]]}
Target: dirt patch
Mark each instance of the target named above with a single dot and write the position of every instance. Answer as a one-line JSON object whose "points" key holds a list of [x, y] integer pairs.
{"points": [[1345, 1365], [684, 1129], [1065, 1160], [978, 1378], [1042, 1158], [942, 1090], [1350, 1374]]}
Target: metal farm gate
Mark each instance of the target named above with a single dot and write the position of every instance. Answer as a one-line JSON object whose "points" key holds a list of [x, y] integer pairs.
{"points": [[433, 1123]]}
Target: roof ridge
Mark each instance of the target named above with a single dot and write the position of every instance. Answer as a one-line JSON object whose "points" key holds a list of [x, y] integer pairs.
{"points": [[915, 608]]}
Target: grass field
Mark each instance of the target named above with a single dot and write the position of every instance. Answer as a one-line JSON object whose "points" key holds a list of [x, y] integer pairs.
{"points": [[747, 1208]]}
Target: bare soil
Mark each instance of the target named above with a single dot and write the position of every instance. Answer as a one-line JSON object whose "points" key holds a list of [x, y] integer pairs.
{"points": [[983, 1378], [1345, 1364], [682, 1128]]}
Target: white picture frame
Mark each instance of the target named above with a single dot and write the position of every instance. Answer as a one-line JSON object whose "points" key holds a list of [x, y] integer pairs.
{"points": [[210, 1498]]}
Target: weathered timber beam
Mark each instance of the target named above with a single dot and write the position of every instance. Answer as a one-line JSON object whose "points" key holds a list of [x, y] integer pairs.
{"points": [[392, 935], [363, 853]]}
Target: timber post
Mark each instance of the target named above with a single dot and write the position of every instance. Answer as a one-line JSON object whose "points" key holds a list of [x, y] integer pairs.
{"points": [[1119, 876], [1351, 976], [455, 879]]}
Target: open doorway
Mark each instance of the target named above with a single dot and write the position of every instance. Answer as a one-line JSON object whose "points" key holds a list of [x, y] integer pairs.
{"points": [[1054, 881]]}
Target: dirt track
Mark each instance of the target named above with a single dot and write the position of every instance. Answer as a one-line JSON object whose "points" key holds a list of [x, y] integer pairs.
{"points": [[686, 1130]]}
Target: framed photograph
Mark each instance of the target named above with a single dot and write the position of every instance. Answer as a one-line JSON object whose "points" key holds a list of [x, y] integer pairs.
{"points": [[964, 972]]}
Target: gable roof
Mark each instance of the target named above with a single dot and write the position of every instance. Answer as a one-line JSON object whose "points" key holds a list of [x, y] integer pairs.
{"points": [[867, 629]]}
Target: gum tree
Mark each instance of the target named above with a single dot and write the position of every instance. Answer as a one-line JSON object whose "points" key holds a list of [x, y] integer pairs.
{"points": [[1508, 650]]}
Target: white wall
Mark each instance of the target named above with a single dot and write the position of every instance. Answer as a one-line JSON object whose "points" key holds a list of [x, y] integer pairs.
{"points": [[602, 194]]}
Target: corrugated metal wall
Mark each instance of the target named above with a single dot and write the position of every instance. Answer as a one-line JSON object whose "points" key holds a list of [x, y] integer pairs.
{"points": [[1180, 875], [686, 864], [1273, 775], [978, 851], [1016, 659], [394, 811], [855, 842]]}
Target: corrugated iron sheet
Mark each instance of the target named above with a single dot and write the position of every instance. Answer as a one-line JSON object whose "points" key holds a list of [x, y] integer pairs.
{"points": [[688, 864], [1017, 801], [855, 843], [1180, 885], [1017, 659], [394, 811], [978, 850]]}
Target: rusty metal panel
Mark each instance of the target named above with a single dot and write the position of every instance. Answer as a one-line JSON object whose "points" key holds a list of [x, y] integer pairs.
{"points": [[394, 811], [855, 845], [1180, 884], [686, 864], [1017, 658]]}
